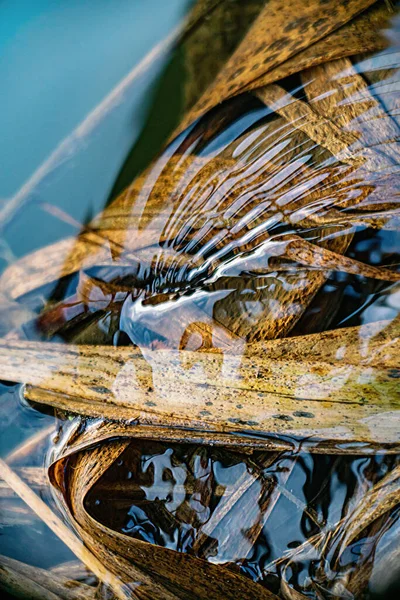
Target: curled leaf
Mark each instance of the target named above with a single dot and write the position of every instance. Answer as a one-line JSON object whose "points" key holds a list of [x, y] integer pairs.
{"points": [[169, 570]]}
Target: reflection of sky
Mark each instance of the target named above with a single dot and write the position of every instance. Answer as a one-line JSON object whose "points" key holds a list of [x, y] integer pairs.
{"points": [[58, 61]]}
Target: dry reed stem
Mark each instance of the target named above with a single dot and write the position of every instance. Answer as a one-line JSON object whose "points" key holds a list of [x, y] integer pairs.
{"points": [[28, 445], [61, 530]]}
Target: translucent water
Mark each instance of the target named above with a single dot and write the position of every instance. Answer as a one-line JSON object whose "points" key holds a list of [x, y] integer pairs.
{"points": [[209, 366]]}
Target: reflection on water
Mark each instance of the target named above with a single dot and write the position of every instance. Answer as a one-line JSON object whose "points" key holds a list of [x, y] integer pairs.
{"points": [[264, 513], [216, 352]]}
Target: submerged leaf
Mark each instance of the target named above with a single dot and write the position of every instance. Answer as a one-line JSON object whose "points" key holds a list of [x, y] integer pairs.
{"points": [[224, 244], [162, 569], [275, 37], [56, 586], [205, 225], [364, 33], [142, 496]]}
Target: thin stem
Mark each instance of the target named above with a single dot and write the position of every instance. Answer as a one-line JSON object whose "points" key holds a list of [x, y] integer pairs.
{"points": [[62, 531]]}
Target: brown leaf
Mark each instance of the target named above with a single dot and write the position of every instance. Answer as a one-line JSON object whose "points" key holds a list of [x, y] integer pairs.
{"points": [[306, 253], [306, 397], [184, 574], [118, 231], [365, 33], [62, 587], [304, 117], [166, 221], [382, 498], [375, 220], [326, 548], [289, 593], [58, 527], [338, 93], [276, 36]]}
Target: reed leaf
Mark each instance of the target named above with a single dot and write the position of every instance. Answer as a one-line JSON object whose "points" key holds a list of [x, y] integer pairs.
{"points": [[61, 530], [365, 33], [62, 587], [319, 396], [161, 569], [174, 256], [275, 37]]}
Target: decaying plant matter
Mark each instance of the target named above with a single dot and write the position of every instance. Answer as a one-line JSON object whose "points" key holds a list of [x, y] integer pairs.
{"points": [[210, 264], [307, 393]]}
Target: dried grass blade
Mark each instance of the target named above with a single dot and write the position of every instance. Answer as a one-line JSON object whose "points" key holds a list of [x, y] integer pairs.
{"points": [[375, 504], [365, 33], [63, 587], [102, 431], [389, 219], [341, 95], [174, 388], [61, 530], [125, 234], [288, 592], [190, 577], [324, 132], [382, 498], [306, 253], [276, 36], [148, 588]]}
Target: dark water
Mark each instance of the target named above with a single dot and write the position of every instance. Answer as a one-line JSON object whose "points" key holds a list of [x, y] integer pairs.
{"points": [[243, 511], [208, 252]]}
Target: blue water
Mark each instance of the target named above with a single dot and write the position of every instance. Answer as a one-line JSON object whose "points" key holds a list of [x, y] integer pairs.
{"points": [[58, 61]]}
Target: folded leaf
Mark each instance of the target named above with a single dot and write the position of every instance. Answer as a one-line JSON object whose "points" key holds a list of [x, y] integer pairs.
{"points": [[161, 569]]}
